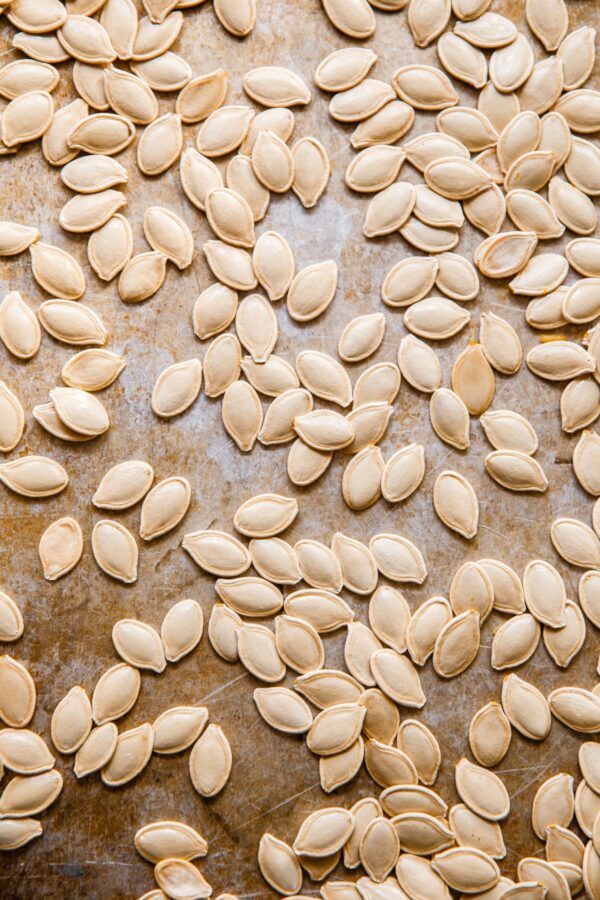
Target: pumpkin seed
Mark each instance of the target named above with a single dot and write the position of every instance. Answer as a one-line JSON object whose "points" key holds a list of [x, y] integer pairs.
{"points": [[560, 361], [230, 265], [198, 176], [417, 741], [402, 798], [483, 791], [507, 430], [577, 54], [236, 16], [410, 280], [436, 318], [473, 379], [586, 808], [34, 476], [278, 120], [541, 275], [361, 101], [424, 87], [379, 848], [419, 364], [272, 162], [588, 588], [223, 632], [359, 570], [17, 703], [178, 728], [265, 515], [500, 343], [142, 276], [110, 247], [456, 504], [71, 721], [319, 565], [274, 264], [422, 834], [387, 125], [397, 558], [320, 608], [457, 644], [573, 208], [370, 423], [27, 117], [583, 256], [217, 552], [467, 868], [335, 729], [115, 693], [489, 735], [515, 642], [472, 830], [530, 212], [181, 629], [181, 879], [283, 710], [240, 178], [344, 68], [488, 30], [462, 60], [167, 840], [487, 210], [543, 87], [579, 405], [360, 645], [584, 459], [160, 144], [397, 678], [374, 168], [167, 72], [335, 771], [563, 845], [115, 550], [80, 411], [176, 388], [417, 877], [11, 620], [361, 482], [132, 754], [502, 255], [15, 238], [202, 96], [354, 18], [15, 833], [328, 687], [456, 178], [249, 596], [539, 871], [278, 426], [104, 133], [545, 593], [43, 47], [576, 542], [389, 209], [92, 370], [279, 865], [389, 615], [19, 328], [299, 645], [389, 766], [432, 146], [153, 39], [221, 364], [60, 548], [276, 86], [139, 645], [553, 804], [89, 83], [55, 147], [230, 217], [12, 419], [516, 471], [27, 795], [424, 627], [214, 310], [545, 313], [210, 762], [24, 752], [525, 707], [382, 718], [324, 832], [242, 414], [364, 812], [168, 234], [377, 385], [123, 485], [56, 271], [403, 473]]}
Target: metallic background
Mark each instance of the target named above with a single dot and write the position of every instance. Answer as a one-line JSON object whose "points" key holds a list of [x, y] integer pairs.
{"points": [[87, 847]]}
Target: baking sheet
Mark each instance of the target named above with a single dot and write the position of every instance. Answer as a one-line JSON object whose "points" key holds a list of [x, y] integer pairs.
{"points": [[87, 849]]}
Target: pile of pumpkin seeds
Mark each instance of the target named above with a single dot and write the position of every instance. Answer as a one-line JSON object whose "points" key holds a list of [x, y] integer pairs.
{"points": [[518, 153]]}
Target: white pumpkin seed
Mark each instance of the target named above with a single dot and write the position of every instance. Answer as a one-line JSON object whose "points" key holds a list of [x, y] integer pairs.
{"points": [[424, 87], [168, 840], [27, 795], [221, 364], [176, 388], [142, 276], [344, 68], [60, 548], [515, 642], [577, 54], [115, 550], [576, 542], [115, 693], [132, 754], [178, 728], [403, 473], [110, 247], [416, 740], [389, 124], [34, 476], [435, 318], [456, 504], [526, 708], [230, 217], [419, 364], [202, 96], [265, 515], [279, 864], [489, 735], [354, 18]]}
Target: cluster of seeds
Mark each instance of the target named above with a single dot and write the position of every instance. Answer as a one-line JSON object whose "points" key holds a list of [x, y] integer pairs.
{"points": [[521, 140]]}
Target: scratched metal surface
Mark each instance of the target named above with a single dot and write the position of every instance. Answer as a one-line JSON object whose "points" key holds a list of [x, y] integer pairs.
{"points": [[87, 847]]}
